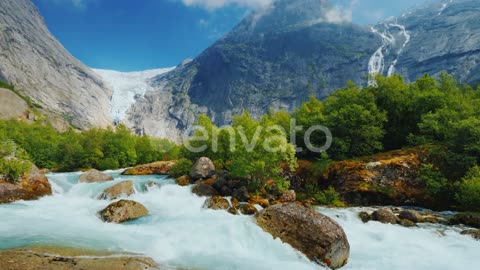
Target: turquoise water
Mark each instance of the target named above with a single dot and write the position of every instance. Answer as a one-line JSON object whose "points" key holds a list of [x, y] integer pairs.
{"points": [[178, 232]]}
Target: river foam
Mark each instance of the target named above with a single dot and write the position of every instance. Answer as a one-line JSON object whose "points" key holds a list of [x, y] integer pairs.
{"points": [[178, 232]]}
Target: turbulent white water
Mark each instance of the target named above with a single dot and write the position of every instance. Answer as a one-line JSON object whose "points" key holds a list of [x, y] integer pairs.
{"points": [[125, 86], [178, 232]]}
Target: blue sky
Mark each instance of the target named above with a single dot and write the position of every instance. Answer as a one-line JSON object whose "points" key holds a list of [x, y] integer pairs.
{"points": [[131, 35]]}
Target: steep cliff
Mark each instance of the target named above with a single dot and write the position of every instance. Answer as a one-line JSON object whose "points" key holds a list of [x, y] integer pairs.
{"points": [[39, 67]]}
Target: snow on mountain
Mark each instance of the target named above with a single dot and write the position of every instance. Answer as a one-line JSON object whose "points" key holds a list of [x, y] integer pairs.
{"points": [[126, 86]]}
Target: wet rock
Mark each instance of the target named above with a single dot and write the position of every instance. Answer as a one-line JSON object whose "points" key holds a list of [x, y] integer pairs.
{"points": [[61, 258], [204, 190], [469, 219], [407, 223], [232, 210], [183, 180], [241, 194], [202, 169], [32, 186], [473, 233], [271, 188], [288, 196], [124, 188], [149, 185], [320, 238], [433, 220], [385, 215], [260, 201], [216, 203], [248, 209], [94, 176], [209, 181], [235, 202], [159, 168], [411, 215], [365, 217], [122, 211]]}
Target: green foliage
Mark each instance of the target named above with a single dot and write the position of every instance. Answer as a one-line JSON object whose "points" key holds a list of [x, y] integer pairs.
{"points": [[328, 197], [436, 184], [468, 194], [182, 167], [13, 168], [96, 148]]}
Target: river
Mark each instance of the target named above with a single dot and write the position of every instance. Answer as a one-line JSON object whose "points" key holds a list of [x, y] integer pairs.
{"points": [[178, 232]]}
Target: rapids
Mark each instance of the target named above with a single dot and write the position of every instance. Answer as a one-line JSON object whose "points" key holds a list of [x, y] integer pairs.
{"points": [[178, 232]]}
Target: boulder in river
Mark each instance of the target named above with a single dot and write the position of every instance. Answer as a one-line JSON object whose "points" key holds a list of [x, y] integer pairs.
{"points": [[123, 210], [124, 188], [94, 176], [216, 203], [183, 180], [204, 190], [160, 168], [469, 219], [473, 233], [61, 258], [260, 201], [385, 215], [248, 209], [202, 169], [32, 186], [317, 236], [411, 215]]}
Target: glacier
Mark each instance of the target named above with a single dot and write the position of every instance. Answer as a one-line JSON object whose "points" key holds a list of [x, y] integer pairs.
{"points": [[126, 86]]}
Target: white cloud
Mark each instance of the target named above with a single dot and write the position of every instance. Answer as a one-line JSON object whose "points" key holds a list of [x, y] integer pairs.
{"points": [[215, 4]]}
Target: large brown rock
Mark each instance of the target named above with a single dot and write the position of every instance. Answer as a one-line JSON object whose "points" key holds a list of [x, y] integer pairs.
{"points": [[123, 210], [320, 238], [217, 203], [411, 215], [385, 215], [248, 209], [160, 167], [202, 169], [183, 180], [94, 176], [62, 258], [124, 188], [31, 187]]}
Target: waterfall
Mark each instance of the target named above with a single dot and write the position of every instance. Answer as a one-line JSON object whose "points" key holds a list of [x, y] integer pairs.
{"points": [[391, 69], [376, 64]]}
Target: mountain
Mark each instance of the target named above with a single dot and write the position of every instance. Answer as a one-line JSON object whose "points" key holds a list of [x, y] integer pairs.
{"points": [[293, 49], [275, 58], [444, 36], [39, 67]]}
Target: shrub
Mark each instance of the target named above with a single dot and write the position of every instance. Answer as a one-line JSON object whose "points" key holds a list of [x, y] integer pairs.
{"points": [[328, 197], [182, 167], [108, 164], [14, 168], [219, 164], [468, 194], [436, 185]]}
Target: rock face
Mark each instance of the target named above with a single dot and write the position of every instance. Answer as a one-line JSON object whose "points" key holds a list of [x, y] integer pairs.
{"points": [[160, 167], [31, 187], [123, 210], [320, 238], [386, 179], [60, 258], [39, 67], [11, 105], [202, 169], [217, 203], [124, 188], [94, 176]]}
